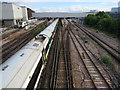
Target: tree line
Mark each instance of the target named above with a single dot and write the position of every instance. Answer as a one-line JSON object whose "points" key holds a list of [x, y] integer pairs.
{"points": [[103, 22]]}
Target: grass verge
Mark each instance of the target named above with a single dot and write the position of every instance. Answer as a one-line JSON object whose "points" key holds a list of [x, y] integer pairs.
{"points": [[38, 30], [106, 59]]}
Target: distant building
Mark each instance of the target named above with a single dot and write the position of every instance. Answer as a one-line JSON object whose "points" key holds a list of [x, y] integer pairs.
{"points": [[119, 4], [119, 7], [114, 10], [12, 14], [93, 10]]}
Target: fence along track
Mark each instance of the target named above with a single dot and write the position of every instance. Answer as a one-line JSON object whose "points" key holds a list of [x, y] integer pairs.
{"points": [[93, 70]]}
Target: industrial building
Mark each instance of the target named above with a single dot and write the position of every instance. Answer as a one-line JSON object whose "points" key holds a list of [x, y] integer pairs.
{"points": [[119, 4], [119, 7], [12, 14], [115, 10]]}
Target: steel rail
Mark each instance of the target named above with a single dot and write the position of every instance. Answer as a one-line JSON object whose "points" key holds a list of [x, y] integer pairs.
{"points": [[65, 57], [107, 47], [69, 59], [90, 60], [100, 40], [111, 78], [55, 57], [61, 47], [14, 48], [82, 60]]}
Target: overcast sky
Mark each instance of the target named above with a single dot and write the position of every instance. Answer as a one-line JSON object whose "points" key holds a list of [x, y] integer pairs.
{"points": [[66, 5]]}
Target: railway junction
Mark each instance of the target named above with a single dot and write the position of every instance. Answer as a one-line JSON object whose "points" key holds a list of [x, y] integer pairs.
{"points": [[65, 54], [73, 64]]}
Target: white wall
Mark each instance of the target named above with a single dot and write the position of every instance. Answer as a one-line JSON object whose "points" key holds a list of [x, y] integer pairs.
{"points": [[0, 15], [7, 12], [17, 12], [10, 11], [24, 13], [0, 11]]}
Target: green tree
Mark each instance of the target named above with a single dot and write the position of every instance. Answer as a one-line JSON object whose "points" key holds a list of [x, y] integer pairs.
{"points": [[91, 20], [117, 27], [102, 15], [105, 24]]}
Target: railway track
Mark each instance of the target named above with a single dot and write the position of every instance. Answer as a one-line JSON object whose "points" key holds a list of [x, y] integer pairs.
{"points": [[112, 51], [57, 72], [5, 35], [61, 68], [60, 75], [47, 78], [97, 77], [12, 46]]}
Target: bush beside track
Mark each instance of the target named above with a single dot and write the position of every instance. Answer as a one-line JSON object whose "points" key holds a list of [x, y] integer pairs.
{"points": [[103, 22]]}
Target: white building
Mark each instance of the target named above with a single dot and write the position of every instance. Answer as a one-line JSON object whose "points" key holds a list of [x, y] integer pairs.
{"points": [[24, 13], [119, 4], [93, 10], [12, 13], [114, 10]]}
